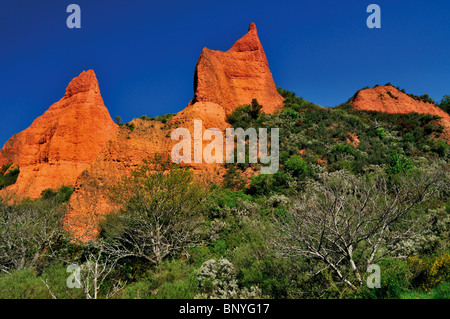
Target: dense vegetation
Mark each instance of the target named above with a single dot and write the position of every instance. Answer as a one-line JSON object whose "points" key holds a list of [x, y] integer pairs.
{"points": [[354, 188]]}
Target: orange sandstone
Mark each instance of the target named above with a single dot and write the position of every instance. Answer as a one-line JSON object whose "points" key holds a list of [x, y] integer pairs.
{"points": [[236, 76], [378, 99], [62, 142]]}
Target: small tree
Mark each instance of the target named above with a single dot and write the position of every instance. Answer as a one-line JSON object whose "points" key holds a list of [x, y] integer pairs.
{"points": [[93, 271], [399, 164], [349, 223], [162, 211], [97, 268], [297, 166], [255, 109], [445, 103]]}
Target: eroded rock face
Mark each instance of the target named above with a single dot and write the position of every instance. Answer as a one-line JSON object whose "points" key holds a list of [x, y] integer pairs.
{"points": [[76, 142], [236, 76], [378, 99], [62, 142], [123, 153], [223, 80]]}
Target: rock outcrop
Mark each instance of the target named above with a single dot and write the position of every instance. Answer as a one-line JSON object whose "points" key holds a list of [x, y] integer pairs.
{"points": [[76, 143], [236, 76], [62, 142], [124, 152], [390, 100]]}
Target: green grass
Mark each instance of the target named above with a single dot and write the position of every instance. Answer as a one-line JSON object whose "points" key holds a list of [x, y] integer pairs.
{"points": [[441, 291]]}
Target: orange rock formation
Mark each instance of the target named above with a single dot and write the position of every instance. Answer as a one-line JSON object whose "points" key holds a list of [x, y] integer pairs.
{"points": [[378, 99], [62, 142], [223, 80], [237, 76]]}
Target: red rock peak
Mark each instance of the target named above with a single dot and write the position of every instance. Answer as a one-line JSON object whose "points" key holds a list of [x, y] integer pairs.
{"points": [[86, 81], [249, 42], [236, 76]]}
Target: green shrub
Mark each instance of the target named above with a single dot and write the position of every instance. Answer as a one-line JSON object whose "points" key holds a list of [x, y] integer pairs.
{"points": [[399, 164], [395, 281], [10, 177], [165, 117], [29, 284], [297, 166], [146, 118], [380, 133], [130, 126], [445, 103], [23, 284], [241, 117], [172, 279], [430, 271], [60, 195]]}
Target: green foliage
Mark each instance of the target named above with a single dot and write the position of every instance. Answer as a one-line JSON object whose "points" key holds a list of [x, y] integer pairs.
{"points": [[261, 185], [233, 178], [441, 148], [172, 279], [118, 120], [161, 211], [290, 113], [228, 251], [297, 166], [8, 176], [23, 284], [395, 281], [255, 109], [424, 98], [60, 195], [162, 118], [445, 103], [392, 95], [399, 164], [165, 117], [380, 133], [294, 102], [146, 118], [130, 126], [241, 117]]}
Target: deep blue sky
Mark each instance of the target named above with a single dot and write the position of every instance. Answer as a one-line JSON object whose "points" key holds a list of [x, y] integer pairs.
{"points": [[144, 52]]}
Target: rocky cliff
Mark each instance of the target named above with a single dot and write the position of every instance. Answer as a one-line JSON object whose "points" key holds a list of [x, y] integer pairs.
{"points": [[62, 142], [223, 80], [236, 76]]}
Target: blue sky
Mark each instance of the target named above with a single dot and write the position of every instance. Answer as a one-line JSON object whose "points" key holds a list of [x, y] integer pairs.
{"points": [[144, 52]]}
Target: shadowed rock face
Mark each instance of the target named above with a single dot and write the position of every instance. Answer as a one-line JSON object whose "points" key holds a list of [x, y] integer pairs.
{"points": [[62, 142], [378, 99], [236, 76]]}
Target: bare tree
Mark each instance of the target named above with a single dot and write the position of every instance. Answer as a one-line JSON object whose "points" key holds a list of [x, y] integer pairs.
{"points": [[349, 223], [28, 232], [96, 269], [90, 273], [162, 212]]}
